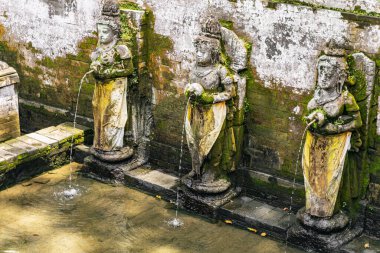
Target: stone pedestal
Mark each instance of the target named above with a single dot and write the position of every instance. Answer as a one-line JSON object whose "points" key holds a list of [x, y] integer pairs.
{"points": [[103, 171], [205, 204], [323, 234], [9, 114]]}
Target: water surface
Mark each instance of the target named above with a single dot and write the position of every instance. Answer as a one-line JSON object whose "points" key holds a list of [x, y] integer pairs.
{"points": [[36, 216]]}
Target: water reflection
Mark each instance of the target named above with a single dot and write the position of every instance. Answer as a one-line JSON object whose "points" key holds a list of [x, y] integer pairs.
{"points": [[39, 216]]}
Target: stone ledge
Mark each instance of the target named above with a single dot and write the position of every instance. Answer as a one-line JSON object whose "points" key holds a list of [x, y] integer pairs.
{"points": [[250, 214], [42, 145], [358, 245], [243, 211], [367, 17]]}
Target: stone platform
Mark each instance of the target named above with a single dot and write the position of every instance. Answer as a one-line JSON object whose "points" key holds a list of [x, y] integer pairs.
{"points": [[31, 154]]}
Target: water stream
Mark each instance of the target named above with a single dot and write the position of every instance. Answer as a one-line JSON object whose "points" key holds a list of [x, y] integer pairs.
{"points": [[176, 222], [294, 178], [72, 192]]}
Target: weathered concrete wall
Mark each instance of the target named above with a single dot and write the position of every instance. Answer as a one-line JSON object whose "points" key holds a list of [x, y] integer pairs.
{"points": [[366, 5], [49, 42], [53, 27], [51, 54]]}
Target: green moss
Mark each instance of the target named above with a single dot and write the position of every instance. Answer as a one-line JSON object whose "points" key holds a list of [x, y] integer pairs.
{"points": [[272, 188], [357, 10], [65, 72], [155, 50], [127, 5], [226, 24], [33, 49]]}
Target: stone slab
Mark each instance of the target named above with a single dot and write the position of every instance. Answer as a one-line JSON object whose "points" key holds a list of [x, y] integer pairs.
{"points": [[206, 205], [42, 138], [144, 178], [250, 213], [155, 177], [155, 182], [16, 152], [11, 149], [59, 134], [363, 244]]}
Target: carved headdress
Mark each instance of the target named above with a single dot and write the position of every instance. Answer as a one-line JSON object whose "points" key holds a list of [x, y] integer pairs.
{"points": [[110, 15]]}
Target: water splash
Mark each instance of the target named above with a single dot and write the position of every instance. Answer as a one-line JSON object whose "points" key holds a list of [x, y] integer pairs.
{"points": [[64, 194], [294, 178], [175, 223]]}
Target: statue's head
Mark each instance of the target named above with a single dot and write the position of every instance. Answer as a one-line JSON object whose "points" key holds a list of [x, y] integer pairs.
{"points": [[207, 45], [332, 73], [109, 26], [108, 31], [207, 50]]}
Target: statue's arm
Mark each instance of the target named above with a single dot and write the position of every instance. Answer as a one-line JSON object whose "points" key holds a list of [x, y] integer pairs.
{"points": [[122, 66], [228, 84], [352, 109]]}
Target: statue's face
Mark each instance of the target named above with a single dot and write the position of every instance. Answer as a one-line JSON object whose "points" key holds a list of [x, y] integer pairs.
{"points": [[203, 54], [105, 34], [328, 75]]}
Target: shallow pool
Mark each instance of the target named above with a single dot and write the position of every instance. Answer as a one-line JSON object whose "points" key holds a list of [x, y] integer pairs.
{"points": [[36, 216]]}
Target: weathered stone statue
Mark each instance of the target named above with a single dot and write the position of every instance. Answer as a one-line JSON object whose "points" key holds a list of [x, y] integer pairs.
{"points": [[330, 150], [210, 89], [337, 118], [214, 115], [111, 65]]}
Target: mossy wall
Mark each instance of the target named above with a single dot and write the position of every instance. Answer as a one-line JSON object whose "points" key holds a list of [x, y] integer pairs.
{"points": [[53, 82], [286, 42]]}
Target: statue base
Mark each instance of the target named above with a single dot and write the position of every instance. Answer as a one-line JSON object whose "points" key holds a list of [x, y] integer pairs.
{"points": [[322, 234], [112, 156], [214, 187], [103, 171], [205, 204]]}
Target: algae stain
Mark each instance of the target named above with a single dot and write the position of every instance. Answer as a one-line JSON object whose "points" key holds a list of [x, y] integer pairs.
{"points": [[50, 81]]}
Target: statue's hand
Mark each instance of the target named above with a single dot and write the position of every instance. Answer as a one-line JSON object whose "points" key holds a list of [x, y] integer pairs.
{"points": [[193, 90], [95, 66], [316, 116], [206, 98], [329, 128]]}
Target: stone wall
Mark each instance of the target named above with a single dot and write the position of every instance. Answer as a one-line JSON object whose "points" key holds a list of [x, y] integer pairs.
{"points": [[49, 42], [285, 40], [9, 112]]}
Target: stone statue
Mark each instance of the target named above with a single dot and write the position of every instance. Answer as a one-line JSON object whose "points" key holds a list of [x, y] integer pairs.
{"points": [[337, 118], [332, 140], [111, 65], [208, 128]]}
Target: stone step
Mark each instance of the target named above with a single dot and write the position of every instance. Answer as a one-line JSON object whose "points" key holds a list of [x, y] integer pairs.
{"points": [[155, 182], [363, 244], [43, 143], [251, 214]]}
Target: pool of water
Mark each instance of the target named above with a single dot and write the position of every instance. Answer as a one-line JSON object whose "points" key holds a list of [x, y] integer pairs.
{"points": [[45, 215]]}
